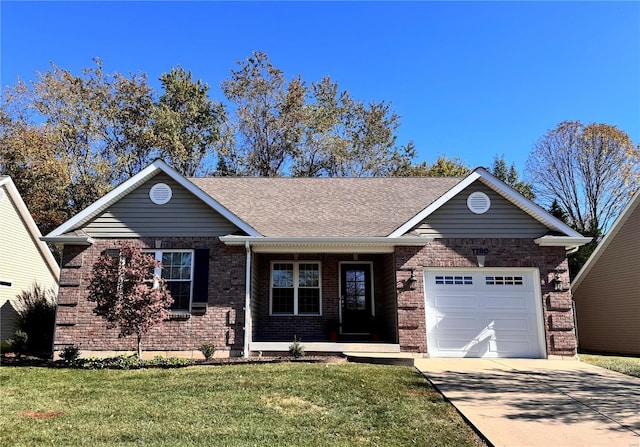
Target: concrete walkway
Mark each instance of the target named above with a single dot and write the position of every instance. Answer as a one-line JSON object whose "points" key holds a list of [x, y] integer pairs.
{"points": [[519, 402]]}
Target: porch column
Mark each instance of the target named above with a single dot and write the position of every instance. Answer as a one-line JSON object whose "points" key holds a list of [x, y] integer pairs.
{"points": [[247, 302]]}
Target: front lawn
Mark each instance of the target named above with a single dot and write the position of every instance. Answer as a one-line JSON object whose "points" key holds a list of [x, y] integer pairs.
{"points": [[235, 405], [625, 365]]}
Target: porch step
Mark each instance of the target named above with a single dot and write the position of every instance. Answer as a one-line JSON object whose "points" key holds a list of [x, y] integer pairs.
{"points": [[380, 358], [381, 348]]}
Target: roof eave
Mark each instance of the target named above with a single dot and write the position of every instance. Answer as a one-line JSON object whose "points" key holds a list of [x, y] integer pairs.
{"points": [[69, 240], [324, 244], [570, 243]]}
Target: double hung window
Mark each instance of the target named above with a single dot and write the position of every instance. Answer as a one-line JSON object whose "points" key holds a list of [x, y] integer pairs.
{"points": [[177, 272], [295, 288]]}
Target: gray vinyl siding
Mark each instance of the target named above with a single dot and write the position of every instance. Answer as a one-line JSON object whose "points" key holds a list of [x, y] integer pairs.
{"points": [[608, 298], [503, 219], [135, 215]]}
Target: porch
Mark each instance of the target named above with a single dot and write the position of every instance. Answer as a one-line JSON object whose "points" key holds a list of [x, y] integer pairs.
{"points": [[330, 302]]}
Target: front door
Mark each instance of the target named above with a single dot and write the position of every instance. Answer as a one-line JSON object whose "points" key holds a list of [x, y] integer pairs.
{"points": [[355, 290]]}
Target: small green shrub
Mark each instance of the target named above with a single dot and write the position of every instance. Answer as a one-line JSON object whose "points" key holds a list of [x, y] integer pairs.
{"points": [[168, 362], [126, 362], [296, 349], [207, 349], [19, 342], [70, 354]]}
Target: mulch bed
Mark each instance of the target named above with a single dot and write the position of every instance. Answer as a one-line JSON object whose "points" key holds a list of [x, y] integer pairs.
{"points": [[29, 361]]}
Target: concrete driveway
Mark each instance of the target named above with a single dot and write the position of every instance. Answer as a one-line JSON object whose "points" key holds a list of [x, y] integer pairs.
{"points": [[520, 402]]}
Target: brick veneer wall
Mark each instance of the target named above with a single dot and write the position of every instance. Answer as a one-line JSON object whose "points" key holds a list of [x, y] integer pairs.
{"points": [[557, 310], [222, 322]]}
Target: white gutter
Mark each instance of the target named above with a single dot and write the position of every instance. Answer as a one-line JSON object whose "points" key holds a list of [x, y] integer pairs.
{"points": [[247, 303]]}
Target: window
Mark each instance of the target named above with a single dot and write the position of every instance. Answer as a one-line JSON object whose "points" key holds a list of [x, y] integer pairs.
{"points": [[454, 280], [295, 288], [177, 271], [504, 280]]}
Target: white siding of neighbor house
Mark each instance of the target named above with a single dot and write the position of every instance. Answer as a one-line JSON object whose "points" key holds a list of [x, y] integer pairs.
{"points": [[503, 219], [608, 298], [21, 263], [135, 215]]}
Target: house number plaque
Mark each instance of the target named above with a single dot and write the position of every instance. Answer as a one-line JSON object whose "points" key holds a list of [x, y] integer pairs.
{"points": [[480, 251]]}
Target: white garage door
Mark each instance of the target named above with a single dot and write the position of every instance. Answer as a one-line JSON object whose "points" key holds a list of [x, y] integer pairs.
{"points": [[484, 313]]}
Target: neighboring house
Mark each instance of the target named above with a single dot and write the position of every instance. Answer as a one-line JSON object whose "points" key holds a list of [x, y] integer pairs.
{"points": [[460, 267], [606, 290], [24, 258]]}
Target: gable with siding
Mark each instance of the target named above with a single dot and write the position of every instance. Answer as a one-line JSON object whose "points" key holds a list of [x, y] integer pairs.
{"points": [[23, 258], [503, 219], [135, 215]]}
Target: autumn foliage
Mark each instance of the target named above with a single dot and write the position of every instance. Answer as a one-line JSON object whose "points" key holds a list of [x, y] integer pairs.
{"points": [[128, 294]]}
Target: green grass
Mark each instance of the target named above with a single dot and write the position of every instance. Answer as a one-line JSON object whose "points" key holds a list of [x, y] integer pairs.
{"points": [[625, 365], [239, 405]]}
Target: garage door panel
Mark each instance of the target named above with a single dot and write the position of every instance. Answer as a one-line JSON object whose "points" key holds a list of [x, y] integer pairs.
{"points": [[506, 303], [494, 314], [510, 348], [444, 323], [454, 302]]}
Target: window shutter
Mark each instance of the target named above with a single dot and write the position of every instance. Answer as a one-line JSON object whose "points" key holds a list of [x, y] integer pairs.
{"points": [[201, 276]]}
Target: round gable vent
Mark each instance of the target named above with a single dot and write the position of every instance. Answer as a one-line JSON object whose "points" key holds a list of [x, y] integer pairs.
{"points": [[160, 193], [478, 202]]}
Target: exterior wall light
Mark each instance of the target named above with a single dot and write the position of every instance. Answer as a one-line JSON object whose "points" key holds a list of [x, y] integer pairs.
{"points": [[558, 284], [412, 281]]}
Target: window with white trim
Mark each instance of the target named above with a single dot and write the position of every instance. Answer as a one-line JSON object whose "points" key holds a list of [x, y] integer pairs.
{"points": [[295, 288], [177, 272]]}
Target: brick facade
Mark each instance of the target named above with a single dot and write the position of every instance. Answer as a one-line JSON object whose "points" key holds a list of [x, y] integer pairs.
{"points": [[222, 323], [402, 310], [457, 253]]}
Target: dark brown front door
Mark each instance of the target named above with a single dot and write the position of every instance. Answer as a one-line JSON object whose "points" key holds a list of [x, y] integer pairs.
{"points": [[355, 289]]}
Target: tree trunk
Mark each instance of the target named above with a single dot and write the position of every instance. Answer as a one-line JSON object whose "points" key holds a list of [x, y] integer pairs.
{"points": [[139, 347]]}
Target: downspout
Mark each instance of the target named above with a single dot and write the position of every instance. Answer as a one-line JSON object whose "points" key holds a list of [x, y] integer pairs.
{"points": [[247, 302]]}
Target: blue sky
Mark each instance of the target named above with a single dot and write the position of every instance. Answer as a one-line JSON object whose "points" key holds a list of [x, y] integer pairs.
{"points": [[470, 79]]}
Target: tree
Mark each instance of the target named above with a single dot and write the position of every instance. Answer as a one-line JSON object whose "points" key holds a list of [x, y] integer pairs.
{"points": [[269, 115], [442, 167], [510, 177], [287, 128], [83, 133], [126, 295], [591, 171], [587, 174], [186, 122]]}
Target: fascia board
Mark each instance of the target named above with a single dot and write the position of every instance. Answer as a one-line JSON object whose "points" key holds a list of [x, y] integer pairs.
{"points": [[415, 220], [16, 198], [135, 181], [606, 240]]}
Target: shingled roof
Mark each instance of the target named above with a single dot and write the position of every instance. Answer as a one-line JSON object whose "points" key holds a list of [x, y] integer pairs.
{"points": [[325, 207]]}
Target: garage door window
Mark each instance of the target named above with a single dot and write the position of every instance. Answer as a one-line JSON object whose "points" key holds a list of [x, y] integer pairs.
{"points": [[454, 280], [504, 280]]}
